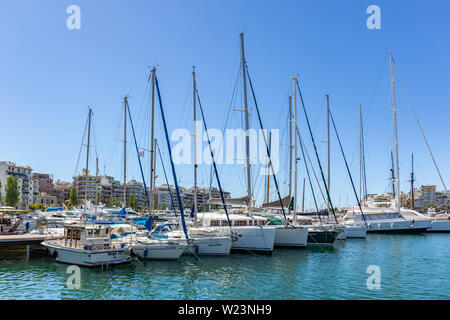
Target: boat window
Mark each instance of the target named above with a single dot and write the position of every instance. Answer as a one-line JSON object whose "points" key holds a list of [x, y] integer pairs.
{"points": [[214, 223], [240, 223]]}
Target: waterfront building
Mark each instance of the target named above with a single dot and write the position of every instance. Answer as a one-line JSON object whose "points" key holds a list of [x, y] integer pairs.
{"points": [[62, 191], [28, 188], [47, 200], [46, 184]]}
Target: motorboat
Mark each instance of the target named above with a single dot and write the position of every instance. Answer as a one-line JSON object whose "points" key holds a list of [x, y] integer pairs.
{"points": [[89, 245]]}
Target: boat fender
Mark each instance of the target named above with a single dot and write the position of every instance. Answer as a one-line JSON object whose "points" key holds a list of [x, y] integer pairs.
{"points": [[145, 253], [55, 254], [196, 249]]}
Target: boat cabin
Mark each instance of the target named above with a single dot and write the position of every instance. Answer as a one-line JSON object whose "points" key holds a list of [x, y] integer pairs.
{"points": [[87, 236], [237, 220]]}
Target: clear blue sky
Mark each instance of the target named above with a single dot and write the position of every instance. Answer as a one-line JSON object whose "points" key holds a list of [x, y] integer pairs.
{"points": [[49, 75]]}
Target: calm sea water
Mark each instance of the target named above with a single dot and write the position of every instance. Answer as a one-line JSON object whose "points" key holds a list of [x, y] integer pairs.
{"points": [[412, 267]]}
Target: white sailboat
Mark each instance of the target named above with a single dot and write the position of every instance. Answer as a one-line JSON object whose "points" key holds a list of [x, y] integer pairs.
{"points": [[393, 218]]}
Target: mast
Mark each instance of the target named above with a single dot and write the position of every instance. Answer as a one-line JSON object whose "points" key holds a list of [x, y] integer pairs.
{"points": [[154, 167], [392, 174], [290, 146], [194, 86], [152, 138], [87, 160], [394, 112], [295, 149], [328, 139], [125, 103], [412, 181], [247, 136], [303, 196], [360, 152], [268, 168]]}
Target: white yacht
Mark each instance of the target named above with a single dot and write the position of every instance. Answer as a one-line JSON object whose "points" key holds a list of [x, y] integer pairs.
{"points": [[287, 235], [202, 241], [251, 233], [158, 249], [390, 220], [87, 245], [440, 222]]}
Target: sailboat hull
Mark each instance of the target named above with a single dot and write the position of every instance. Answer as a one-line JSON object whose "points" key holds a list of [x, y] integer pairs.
{"points": [[439, 226], [254, 239], [288, 236], [158, 252], [401, 227], [211, 246]]}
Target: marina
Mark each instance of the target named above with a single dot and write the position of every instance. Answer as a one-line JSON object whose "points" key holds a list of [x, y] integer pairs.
{"points": [[224, 151], [412, 267]]}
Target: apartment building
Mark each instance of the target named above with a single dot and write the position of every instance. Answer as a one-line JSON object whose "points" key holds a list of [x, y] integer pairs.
{"points": [[28, 188]]}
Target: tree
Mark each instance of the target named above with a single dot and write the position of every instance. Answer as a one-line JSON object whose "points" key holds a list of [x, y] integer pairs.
{"points": [[113, 202], [73, 197], [0, 192], [132, 201], [163, 206], [12, 192], [97, 198]]}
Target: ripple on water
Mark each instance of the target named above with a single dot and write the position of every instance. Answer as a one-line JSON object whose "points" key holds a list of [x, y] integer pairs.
{"points": [[412, 267]]}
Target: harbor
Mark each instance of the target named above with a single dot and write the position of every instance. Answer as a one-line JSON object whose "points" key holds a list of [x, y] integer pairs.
{"points": [[225, 163], [412, 267]]}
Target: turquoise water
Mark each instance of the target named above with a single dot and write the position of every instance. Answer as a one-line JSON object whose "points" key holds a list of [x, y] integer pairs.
{"points": [[412, 267]]}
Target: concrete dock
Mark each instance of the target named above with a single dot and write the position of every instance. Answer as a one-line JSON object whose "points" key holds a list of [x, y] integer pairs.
{"points": [[24, 239]]}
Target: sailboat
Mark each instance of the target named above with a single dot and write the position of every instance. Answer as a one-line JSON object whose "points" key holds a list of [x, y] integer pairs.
{"points": [[144, 245], [289, 233], [201, 241], [249, 231], [87, 244], [392, 219]]}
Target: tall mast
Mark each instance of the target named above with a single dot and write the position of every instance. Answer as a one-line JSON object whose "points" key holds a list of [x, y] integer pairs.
{"points": [[394, 112], [328, 139], [290, 146], [152, 137], [268, 168], [295, 148], [154, 167], [247, 136], [125, 103], [360, 152], [87, 160], [392, 174], [412, 181], [303, 197], [194, 86]]}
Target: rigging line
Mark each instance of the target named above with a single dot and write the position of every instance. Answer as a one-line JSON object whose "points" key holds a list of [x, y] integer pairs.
{"points": [[421, 130], [139, 158], [167, 180], [180, 204], [213, 161], [376, 87], [230, 107], [346, 165], [81, 147], [309, 176], [317, 155], [312, 168], [265, 142]]}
